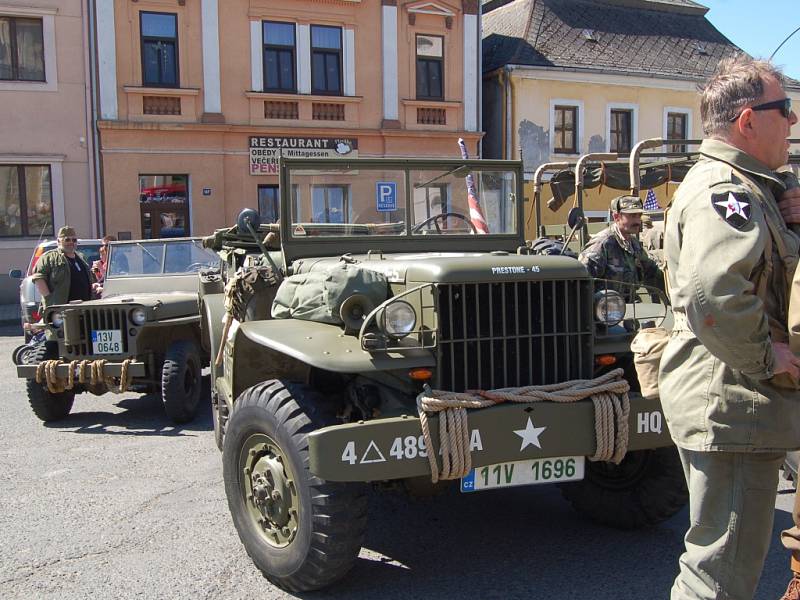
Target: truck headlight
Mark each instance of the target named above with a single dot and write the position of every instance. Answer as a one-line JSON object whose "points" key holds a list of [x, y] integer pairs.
{"points": [[56, 319], [398, 319], [609, 307], [138, 316]]}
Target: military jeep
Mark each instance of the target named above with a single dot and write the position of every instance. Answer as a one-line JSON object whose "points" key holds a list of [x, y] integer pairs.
{"points": [[386, 283], [142, 335]]}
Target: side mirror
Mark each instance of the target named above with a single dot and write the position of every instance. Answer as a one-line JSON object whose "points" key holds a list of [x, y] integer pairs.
{"points": [[575, 218], [16, 274]]}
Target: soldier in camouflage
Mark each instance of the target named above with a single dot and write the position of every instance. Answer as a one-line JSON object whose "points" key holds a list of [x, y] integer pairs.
{"points": [[616, 254]]}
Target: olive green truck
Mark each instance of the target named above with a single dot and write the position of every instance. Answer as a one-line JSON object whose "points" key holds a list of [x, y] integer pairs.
{"points": [[392, 290]]}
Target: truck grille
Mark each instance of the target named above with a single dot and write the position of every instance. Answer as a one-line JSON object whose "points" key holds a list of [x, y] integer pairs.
{"points": [[509, 334], [99, 318]]}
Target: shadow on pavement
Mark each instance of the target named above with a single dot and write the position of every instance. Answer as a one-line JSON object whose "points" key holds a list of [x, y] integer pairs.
{"points": [[142, 416], [11, 330]]}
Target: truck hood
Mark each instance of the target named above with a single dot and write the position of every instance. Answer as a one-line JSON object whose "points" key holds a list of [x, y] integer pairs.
{"points": [[458, 267]]}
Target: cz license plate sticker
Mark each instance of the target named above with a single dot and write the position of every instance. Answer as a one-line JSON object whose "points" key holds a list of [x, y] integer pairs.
{"points": [[107, 341], [524, 472]]}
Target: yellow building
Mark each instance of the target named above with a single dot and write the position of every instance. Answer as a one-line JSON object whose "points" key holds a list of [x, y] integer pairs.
{"points": [[199, 98], [577, 76]]}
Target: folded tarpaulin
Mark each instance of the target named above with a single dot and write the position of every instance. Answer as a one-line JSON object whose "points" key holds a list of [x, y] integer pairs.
{"points": [[616, 176]]}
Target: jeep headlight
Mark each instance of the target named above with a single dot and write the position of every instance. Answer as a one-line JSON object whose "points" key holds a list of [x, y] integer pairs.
{"points": [[398, 319], [138, 316], [56, 319], [609, 307]]}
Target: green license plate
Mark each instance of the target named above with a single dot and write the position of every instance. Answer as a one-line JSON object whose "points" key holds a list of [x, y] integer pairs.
{"points": [[524, 472]]}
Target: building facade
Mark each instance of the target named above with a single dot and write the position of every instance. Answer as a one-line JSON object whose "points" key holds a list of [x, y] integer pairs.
{"points": [[199, 98], [46, 147], [564, 78]]}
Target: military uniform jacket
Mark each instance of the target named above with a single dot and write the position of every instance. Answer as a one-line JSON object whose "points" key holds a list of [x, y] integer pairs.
{"points": [[604, 257], [730, 260], [53, 267]]}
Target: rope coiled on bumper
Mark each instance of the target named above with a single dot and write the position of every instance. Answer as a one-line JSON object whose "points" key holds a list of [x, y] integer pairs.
{"points": [[609, 393], [47, 373]]}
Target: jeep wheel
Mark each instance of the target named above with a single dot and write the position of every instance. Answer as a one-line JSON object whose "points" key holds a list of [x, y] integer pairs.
{"points": [[46, 405], [304, 533], [647, 487], [180, 381]]}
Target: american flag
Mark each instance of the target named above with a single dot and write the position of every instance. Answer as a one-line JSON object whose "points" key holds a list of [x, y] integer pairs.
{"points": [[650, 202], [475, 210]]}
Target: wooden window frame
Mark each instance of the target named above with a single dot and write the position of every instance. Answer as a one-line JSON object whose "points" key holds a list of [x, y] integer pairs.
{"points": [[345, 201], [426, 60], [267, 47], [23, 200], [559, 128], [144, 39], [615, 131], [14, 49], [328, 52], [671, 117]]}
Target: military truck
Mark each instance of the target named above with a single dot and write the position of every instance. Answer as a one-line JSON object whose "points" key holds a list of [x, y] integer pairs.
{"points": [[142, 335], [390, 285]]}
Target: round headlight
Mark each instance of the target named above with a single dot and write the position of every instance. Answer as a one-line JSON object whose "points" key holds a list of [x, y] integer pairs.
{"points": [[399, 319], [138, 316], [609, 307], [56, 319]]}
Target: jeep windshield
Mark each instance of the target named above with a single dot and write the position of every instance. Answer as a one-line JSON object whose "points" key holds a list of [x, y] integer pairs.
{"points": [[159, 257], [390, 204]]}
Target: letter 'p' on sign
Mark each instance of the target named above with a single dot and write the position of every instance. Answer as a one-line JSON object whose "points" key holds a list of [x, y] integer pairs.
{"points": [[385, 196]]}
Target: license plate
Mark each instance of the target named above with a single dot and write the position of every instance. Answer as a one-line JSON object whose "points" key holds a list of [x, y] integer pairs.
{"points": [[524, 472], [107, 341]]}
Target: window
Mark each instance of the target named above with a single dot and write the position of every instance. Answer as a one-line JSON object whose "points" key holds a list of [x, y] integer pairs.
{"points": [[430, 67], [279, 59], [163, 205], [268, 203], [326, 60], [677, 129], [21, 49], [565, 129], [26, 201], [159, 49], [620, 132], [330, 204]]}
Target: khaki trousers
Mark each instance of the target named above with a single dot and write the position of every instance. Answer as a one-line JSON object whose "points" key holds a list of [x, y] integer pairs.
{"points": [[731, 513]]}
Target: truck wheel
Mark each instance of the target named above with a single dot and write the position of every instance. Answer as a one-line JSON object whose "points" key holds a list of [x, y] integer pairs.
{"points": [[302, 532], [647, 487], [46, 405], [180, 381]]}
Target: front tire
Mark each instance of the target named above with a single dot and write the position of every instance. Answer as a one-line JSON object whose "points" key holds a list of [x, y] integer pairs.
{"points": [[46, 405], [646, 488], [181, 384], [302, 532]]}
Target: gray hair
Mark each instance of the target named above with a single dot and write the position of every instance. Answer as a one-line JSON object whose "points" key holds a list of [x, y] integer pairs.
{"points": [[737, 82]]}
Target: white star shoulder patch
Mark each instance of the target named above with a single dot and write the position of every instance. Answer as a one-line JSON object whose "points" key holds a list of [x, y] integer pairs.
{"points": [[733, 207]]}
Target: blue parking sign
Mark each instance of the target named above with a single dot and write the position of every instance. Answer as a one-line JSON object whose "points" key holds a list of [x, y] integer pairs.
{"points": [[386, 196]]}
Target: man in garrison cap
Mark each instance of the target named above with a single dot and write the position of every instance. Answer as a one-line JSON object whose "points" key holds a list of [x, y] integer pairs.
{"points": [[616, 254], [62, 275]]}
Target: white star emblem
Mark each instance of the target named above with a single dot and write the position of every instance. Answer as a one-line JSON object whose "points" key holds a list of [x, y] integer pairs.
{"points": [[530, 435], [733, 206]]}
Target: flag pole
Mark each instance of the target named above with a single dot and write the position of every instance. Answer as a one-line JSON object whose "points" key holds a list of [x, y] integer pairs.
{"points": [[476, 215]]}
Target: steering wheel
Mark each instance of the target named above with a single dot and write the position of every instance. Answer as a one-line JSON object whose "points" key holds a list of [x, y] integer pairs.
{"points": [[195, 267], [442, 216]]}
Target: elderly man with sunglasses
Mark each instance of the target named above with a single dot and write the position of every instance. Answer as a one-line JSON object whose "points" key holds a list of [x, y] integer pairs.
{"points": [[63, 275], [728, 380]]}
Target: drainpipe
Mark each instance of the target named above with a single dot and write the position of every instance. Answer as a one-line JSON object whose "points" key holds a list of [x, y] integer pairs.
{"points": [[509, 153], [89, 140], [479, 80], [100, 218]]}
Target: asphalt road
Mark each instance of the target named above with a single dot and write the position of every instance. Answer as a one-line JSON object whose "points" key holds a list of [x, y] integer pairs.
{"points": [[115, 502]]}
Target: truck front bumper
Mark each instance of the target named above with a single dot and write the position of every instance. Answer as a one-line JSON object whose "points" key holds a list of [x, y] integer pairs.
{"points": [[392, 448], [110, 369]]}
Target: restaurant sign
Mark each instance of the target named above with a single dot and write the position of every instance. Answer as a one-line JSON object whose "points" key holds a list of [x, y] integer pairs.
{"points": [[265, 150]]}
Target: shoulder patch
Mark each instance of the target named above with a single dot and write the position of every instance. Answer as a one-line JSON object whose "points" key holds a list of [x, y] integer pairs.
{"points": [[733, 207]]}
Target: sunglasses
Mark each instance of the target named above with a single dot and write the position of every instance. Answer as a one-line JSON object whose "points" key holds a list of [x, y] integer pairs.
{"points": [[784, 104], [69, 239]]}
